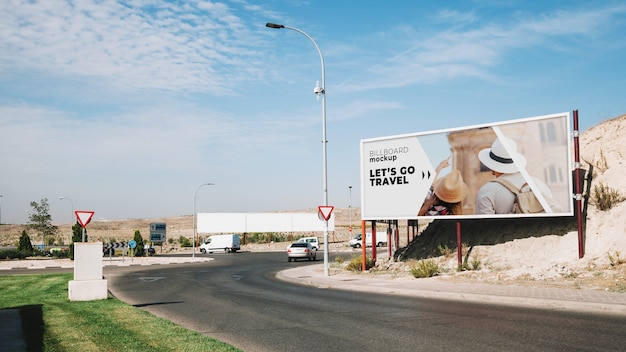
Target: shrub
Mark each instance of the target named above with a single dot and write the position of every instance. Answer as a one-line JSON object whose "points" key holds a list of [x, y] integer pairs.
{"points": [[25, 244], [139, 250], [605, 197], [184, 241], [339, 260], [615, 259], [425, 268], [444, 250], [14, 254], [356, 264]]}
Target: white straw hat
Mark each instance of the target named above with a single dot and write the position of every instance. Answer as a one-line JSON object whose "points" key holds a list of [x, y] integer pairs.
{"points": [[497, 158]]}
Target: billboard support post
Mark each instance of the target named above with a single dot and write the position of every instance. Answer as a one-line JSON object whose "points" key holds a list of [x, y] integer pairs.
{"points": [[373, 241], [578, 190], [363, 244], [459, 246]]}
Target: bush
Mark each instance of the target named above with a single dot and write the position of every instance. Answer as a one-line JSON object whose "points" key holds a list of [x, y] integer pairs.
{"points": [[356, 264], [14, 254], [425, 268], [139, 250], [25, 244], [444, 250], [184, 241], [605, 197], [615, 259]]}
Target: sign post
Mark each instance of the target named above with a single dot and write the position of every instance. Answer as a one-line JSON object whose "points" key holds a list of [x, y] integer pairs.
{"points": [[84, 217], [324, 212]]}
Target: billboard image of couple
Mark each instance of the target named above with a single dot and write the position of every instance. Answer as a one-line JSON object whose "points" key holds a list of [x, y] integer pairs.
{"points": [[516, 168]]}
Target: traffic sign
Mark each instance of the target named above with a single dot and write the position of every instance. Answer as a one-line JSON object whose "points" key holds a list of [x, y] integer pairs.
{"points": [[325, 210], [84, 217], [132, 244]]}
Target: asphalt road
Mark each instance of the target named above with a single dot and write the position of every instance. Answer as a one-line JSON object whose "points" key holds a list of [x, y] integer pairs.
{"points": [[236, 299]]}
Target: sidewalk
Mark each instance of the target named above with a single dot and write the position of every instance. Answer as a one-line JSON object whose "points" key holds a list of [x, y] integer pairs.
{"points": [[106, 261], [590, 301]]}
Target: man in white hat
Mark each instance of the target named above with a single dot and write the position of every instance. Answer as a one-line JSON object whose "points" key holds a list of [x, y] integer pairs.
{"points": [[505, 164]]}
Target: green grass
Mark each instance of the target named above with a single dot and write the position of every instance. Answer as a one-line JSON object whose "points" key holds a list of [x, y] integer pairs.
{"points": [[104, 325]]}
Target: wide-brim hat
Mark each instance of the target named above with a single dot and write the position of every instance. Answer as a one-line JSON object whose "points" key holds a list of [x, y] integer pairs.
{"points": [[451, 188], [498, 158]]}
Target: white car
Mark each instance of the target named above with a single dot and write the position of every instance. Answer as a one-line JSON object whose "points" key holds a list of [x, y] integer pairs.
{"points": [[312, 240], [301, 250]]}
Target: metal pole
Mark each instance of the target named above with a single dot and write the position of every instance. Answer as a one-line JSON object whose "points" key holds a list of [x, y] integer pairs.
{"points": [[195, 196], [71, 217], [1, 196], [318, 91], [578, 195], [350, 209], [459, 246]]}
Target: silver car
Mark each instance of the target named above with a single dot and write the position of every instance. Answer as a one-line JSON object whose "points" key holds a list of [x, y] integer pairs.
{"points": [[300, 250]]}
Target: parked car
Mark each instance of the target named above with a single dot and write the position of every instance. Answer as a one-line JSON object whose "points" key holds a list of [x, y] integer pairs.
{"points": [[300, 250], [312, 240], [381, 240], [106, 250]]}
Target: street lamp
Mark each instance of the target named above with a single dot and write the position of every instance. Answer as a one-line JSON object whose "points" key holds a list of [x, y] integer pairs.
{"points": [[109, 236], [350, 209], [1, 196], [71, 217], [195, 196], [318, 91]]}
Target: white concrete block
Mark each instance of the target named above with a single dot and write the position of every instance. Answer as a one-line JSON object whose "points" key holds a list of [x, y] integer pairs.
{"points": [[88, 261], [87, 290]]}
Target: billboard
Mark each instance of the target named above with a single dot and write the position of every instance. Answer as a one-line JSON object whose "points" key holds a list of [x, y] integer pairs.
{"points": [[515, 168], [261, 222]]}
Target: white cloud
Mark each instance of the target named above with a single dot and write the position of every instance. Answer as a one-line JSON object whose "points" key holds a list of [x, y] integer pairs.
{"points": [[474, 51], [188, 46]]}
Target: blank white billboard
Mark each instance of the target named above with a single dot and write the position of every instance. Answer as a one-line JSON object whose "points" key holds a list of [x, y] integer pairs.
{"points": [[261, 222], [464, 172]]}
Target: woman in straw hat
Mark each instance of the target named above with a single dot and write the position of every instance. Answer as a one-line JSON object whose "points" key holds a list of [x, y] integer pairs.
{"points": [[447, 194]]}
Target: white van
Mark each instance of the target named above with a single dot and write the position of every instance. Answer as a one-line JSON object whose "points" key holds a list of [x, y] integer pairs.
{"points": [[381, 240], [315, 243], [226, 243]]}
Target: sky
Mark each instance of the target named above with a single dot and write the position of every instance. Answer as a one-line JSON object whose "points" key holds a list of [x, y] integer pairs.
{"points": [[127, 108]]}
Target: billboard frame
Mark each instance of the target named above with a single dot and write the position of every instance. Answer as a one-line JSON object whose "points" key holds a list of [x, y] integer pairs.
{"points": [[383, 156]]}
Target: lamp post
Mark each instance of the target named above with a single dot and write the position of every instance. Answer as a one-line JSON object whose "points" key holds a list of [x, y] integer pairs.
{"points": [[108, 236], [318, 91], [350, 209], [71, 217], [195, 196]]}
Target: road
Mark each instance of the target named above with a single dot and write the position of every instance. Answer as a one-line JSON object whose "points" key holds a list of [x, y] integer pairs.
{"points": [[236, 299]]}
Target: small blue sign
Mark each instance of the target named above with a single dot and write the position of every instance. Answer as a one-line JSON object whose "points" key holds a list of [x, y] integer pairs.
{"points": [[132, 244]]}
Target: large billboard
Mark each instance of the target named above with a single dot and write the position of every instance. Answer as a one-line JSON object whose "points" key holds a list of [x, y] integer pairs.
{"points": [[515, 168]]}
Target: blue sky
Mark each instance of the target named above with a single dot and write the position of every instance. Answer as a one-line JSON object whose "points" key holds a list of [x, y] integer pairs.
{"points": [[126, 108]]}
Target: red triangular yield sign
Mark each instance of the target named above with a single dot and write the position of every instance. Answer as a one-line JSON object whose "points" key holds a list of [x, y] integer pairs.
{"points": [[325, 210], [84, 217]]}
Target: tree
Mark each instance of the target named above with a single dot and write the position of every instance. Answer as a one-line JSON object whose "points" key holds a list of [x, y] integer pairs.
{"points": [[25, 245], [77, 236], [139, 250], [41, 221]]}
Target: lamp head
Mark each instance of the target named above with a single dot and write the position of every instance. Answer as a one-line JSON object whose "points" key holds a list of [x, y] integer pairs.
{"points": [[274, 25]]}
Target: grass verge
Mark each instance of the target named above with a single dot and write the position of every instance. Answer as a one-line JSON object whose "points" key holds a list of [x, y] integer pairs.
{"points": [[104, 325]]}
